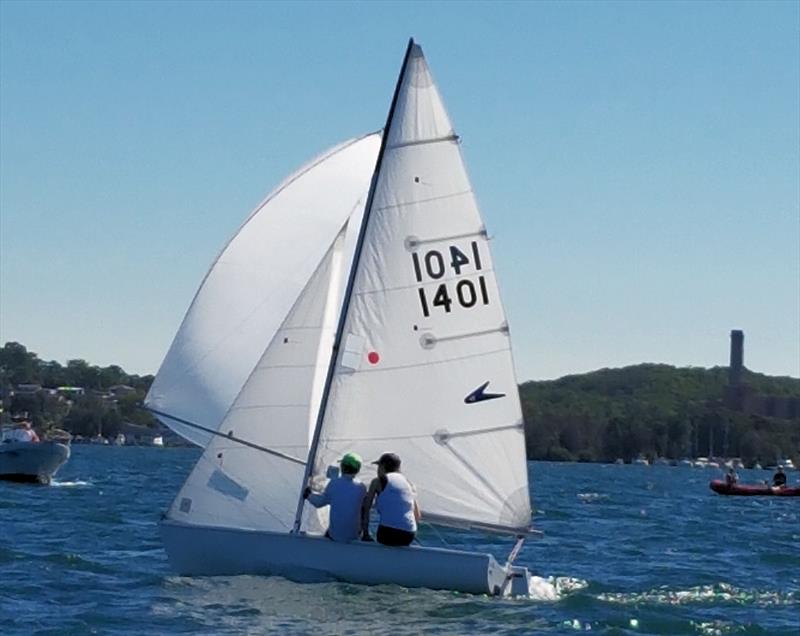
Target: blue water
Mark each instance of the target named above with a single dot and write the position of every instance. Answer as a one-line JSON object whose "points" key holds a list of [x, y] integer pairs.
{"points": [[628, 550]]}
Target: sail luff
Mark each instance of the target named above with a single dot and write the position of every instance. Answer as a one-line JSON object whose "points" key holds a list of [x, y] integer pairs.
{"points": [[312, 452]]}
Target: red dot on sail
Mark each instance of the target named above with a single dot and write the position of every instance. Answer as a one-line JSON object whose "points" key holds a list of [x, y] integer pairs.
{"points": [[373, 357]]}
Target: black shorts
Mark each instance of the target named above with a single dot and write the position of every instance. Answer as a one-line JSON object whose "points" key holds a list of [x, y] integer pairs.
{"points": [[394, 536]]}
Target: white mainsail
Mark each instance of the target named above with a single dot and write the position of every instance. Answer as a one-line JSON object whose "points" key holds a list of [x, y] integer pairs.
{"points": [[424, 366], [256, 485], [253, 284]]}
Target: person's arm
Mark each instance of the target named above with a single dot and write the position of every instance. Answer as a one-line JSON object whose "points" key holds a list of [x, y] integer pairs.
{"points": [[318, 500], [417, 513], [366, 506], [34, 436]]}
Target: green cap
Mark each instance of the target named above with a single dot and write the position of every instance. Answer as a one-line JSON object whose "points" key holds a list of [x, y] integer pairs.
{"points": [[351, 461]]}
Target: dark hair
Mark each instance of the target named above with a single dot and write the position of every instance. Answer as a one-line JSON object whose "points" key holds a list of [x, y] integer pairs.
{"points": [[349, 470], [389, 462]]}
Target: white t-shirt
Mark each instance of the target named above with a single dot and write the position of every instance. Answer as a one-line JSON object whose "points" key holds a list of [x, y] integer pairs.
{"points": [[344, 495], [396, 503]]}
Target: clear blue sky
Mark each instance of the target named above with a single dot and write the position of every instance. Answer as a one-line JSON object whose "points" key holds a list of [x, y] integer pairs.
{"points": [[637, 163]]}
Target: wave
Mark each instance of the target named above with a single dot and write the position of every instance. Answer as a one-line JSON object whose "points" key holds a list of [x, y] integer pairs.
{"points": [[588, 497], [704, 594], [553, 588]]}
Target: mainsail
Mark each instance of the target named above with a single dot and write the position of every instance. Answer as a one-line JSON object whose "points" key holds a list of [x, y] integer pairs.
{"points": [[424, 365], [254, 485], [252, 285]]}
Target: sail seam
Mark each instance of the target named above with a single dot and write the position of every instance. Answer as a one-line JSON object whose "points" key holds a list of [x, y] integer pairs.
{"points": [[399, 206], [430, 364]]}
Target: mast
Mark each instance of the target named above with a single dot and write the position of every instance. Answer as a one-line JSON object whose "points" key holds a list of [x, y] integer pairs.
{"points": [[312, 451]]}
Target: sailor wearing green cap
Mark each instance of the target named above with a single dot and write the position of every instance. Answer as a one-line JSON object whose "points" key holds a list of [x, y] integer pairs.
{"points": [[344, 494]]}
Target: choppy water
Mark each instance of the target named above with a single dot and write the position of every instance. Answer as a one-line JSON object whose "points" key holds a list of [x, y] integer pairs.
{"points": [[628, 550]]}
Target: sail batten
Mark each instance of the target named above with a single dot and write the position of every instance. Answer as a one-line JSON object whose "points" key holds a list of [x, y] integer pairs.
{"points": [[419, 142]]}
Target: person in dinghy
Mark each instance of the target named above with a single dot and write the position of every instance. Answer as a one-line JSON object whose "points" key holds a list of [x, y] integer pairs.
{"points": [[396, 504], [344, 494]]}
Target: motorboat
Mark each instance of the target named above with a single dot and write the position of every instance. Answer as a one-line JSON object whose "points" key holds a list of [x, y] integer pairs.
{"points": [[721, 487], [31, 461]]}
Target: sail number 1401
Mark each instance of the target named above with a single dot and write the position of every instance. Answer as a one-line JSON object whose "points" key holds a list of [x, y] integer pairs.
{"points": [[434, 264]]}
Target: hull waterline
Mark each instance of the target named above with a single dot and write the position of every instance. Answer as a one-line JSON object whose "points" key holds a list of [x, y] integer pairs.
{"points": [[211, 551]]}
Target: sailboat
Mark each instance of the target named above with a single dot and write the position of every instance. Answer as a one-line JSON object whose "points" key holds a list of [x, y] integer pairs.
{"points": [[356, 310]]}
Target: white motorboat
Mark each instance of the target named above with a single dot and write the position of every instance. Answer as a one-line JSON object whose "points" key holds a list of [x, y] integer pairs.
{"points": [[31, 462], [356, 309]]}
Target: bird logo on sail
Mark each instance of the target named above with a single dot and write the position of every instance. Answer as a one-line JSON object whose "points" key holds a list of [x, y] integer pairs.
{"points": [[480, 394]]}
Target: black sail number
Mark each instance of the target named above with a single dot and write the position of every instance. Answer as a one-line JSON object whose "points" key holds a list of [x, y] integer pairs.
{"points": [[434, 264]]}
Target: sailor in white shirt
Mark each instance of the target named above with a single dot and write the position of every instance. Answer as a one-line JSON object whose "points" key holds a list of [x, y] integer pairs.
{"points": [[396, 503], [344, 495]]}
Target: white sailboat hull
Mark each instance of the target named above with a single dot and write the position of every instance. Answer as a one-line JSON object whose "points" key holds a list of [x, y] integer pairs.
{"points": [[31, 461], [209, 551]]}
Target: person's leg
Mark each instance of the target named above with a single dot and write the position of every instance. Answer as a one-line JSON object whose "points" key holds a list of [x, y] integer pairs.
{"points": [[394, 536]]}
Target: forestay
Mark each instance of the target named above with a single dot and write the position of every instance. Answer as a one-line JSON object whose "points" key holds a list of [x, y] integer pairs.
{"points": [[424, 367], [241, 486], [253, 284]]}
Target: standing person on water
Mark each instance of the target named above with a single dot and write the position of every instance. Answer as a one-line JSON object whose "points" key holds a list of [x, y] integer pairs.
{"points": [[396, 504]]}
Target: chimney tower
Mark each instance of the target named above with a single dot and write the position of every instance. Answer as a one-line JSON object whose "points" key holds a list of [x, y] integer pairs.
{"points": [[737, 358]]}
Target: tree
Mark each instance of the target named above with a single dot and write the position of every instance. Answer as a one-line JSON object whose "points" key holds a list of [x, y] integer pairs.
{"points": [[20, 367]]}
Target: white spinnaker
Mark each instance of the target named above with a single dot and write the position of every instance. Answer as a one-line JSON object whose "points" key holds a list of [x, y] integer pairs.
{"points": [[252, 285], [425, 330], [239, 486]]}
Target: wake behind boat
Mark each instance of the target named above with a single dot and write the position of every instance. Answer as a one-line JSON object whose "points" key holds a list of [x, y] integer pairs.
{"points": [[721, 487], [356, 310]]}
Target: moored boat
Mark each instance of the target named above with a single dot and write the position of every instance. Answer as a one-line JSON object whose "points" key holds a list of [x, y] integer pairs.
{"points": [[753, 490]]}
